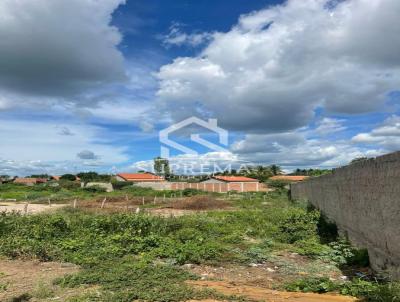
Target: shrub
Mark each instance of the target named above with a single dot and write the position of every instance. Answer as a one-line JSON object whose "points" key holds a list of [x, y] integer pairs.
{"points": [[298, 224], [94, 189], [69, 177], [315, 285], [69, 185], [341, 252], [191, 192], [118, 185]]}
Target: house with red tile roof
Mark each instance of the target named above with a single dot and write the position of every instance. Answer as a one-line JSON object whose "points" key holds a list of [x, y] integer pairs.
{"points": [[234, 178], [29, 181], [139, 177], [289, 178], [221, 183]]}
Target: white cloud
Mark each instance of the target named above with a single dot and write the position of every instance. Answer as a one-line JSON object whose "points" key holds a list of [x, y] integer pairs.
{"points": [[297, 149], [177, 37], [386, 135], [329, 125], [58, 48], [41, 141], [276, 66]]}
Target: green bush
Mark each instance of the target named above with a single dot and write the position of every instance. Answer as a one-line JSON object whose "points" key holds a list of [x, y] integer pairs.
{"points": [[119, 185], [69, 185], [366, 290], [342, 253], [191, 192], [298, 224], [94, 189]]}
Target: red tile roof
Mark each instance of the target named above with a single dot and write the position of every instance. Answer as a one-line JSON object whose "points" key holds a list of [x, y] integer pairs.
{"points": [[289, 177], [235, 178], [140, 177]]}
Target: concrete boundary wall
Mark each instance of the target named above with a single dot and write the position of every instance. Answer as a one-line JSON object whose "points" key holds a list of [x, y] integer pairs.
{"points": [[210, 187], [363, 199]]}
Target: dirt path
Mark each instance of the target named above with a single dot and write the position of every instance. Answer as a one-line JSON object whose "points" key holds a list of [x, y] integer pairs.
{"points": [[31, 208], [24, 277], [263, 294]]}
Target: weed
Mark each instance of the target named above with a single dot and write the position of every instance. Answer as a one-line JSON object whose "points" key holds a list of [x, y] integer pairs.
{"points": [[43, 291]]}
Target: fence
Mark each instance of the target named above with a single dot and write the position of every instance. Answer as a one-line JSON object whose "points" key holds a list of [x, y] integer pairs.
{"points": [[209, 187], [364, 201]]}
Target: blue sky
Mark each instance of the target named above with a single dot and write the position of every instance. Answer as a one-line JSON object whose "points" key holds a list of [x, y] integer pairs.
{"points": [[310, 83]]}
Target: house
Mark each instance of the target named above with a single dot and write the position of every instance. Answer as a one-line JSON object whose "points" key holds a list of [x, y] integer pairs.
{"points": [[235, 183], [29, 181], [139, 177], [289, 178]]}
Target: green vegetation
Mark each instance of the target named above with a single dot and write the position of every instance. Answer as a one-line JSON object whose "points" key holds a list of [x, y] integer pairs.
{"points": [[311, 172], [130, 256], [368, 290]]}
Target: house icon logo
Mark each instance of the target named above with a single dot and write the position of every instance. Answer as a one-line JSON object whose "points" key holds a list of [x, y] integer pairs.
{"points": [[211, 124]]}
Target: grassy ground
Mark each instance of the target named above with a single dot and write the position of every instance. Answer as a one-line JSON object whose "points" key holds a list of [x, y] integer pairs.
{"points": [[67, 191], [130, 256]]}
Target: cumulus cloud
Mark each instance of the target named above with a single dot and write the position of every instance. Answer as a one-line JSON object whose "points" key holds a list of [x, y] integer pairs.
{"points": [[386, 135], [58, 48], [297, 149], [87, 154], [276, 66]]}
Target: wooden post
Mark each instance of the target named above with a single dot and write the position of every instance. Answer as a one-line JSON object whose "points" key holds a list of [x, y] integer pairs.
{"points": [[164, 198], [48, 199], [143, 200], [26, 208], [75, 202], [155, 198], [104, 202]]}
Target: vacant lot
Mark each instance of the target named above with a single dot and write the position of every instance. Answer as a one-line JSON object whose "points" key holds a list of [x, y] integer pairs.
{"points": [[251, 248]]}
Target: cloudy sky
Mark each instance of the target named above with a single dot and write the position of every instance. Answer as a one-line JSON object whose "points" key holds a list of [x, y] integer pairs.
{"points": [[88, 84]]}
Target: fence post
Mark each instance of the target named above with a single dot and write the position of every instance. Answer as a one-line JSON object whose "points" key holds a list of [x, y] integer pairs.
{"points": [[164, 198], [26, 208], [75, 202], [143, 200], [155, 198], [104, 202], [48, 199]]}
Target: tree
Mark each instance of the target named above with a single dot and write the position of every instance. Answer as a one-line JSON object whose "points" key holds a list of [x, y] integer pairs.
{"points": [[161, 167], [46, 176], [275, 169], [69, 177], [358, 159]]}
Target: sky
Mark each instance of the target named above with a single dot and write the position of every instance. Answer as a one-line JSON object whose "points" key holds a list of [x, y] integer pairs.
{"points": [[87, 85]]}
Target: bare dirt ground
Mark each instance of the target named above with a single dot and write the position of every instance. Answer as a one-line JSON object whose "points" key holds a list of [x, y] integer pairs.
{"points": [[159, 206], [264, 294], [30, 208], [258, 281], [19, 278]]}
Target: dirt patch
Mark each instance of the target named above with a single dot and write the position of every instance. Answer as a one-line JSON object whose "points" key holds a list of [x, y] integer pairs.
{"points": [[263, 294], [19, 278], [200, 203], [155, 205], [29, 208]]}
